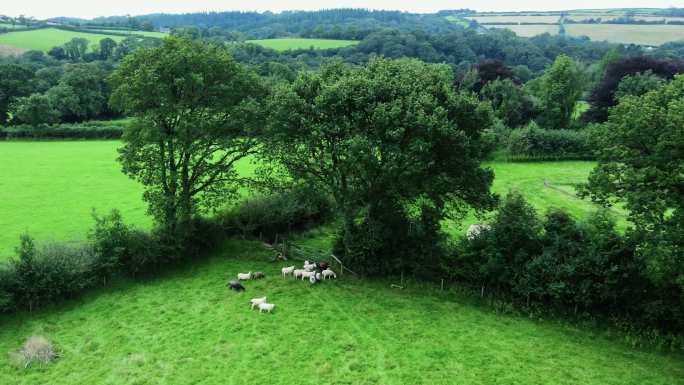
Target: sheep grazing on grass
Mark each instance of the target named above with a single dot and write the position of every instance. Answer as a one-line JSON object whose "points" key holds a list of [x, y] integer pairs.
{"points": [[327, 273], [287, 270], [244, 276], [266, 307], [298, 273], [257, 301], [234, 285], [258, 275], [308, 274]]}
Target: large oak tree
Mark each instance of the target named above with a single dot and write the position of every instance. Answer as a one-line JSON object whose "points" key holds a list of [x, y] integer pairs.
{"points": [[393, 143], [193, 106]]}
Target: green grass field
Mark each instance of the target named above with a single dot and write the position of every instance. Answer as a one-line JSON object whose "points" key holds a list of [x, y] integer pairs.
{"points": [[186, 327], [48, 189], [44, 39], [297, 43]]}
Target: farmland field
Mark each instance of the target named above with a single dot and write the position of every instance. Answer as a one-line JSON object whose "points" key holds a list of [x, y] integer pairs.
{"points": [[186, 328], [515, 19], [614, 33], [44, 39], [628, 34], [296, 43], [529, 30], [50, 188]]}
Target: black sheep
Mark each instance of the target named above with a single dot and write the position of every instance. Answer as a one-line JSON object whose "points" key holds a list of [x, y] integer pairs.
{"points": [[232, 285]]}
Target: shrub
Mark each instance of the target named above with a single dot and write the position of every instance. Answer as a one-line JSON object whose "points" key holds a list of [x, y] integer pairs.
{"points": [[268, 216], [49, 274], [36, 349], [85, 130], [7, 288], [534, 143]]}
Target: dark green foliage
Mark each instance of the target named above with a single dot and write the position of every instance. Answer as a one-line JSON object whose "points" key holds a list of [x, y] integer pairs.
{"points": [[566, 266], [534, 143], [511, 103], [277, 214], [387, 141], [49, 274], [195, 113], [85, 130], [641, 153], [560, 88], [603, 96]]}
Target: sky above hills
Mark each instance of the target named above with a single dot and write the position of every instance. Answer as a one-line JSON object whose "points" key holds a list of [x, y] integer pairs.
{"points": [[88, 8]]}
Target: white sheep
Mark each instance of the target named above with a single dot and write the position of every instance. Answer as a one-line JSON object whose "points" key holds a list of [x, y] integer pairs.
{"points": [[257, 301], [287, 270], [244, 276], [309, 266], [327, 273], [266, 306], [308, 274], [298, 273]]}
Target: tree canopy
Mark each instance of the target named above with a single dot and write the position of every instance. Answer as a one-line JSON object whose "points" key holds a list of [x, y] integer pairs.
{"points": [[392, 142], [641, 164], [194, 110]]}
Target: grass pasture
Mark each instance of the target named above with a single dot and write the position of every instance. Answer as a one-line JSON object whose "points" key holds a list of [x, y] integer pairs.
{"points": [[299, 43], [46, 38], [188, 328], [48, 189]]}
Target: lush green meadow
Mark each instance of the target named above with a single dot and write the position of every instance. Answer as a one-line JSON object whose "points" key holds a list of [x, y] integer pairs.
{"points": [[46, 38], [186, 327], [297, 43], [49, 189]]}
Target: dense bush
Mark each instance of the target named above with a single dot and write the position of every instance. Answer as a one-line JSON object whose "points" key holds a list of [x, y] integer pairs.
{"points": [[86, 130], [534, 143], [268, 216], [43, 275], [49, 274], [566, 266]]}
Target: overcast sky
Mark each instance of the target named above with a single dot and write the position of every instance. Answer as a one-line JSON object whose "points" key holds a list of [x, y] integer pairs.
{"points": [[92, 8]]}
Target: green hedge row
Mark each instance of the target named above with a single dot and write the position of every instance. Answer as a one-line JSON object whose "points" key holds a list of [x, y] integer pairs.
{"points": [[559, 265], [534, 143], [40, 276], [86, 130]]}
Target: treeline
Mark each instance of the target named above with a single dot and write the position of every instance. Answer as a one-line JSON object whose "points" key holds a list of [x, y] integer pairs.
{"points": [[335, 23], [68, 85]]}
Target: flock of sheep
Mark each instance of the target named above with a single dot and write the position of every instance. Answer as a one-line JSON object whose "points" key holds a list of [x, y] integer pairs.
{"points": [[314, 272]]}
